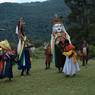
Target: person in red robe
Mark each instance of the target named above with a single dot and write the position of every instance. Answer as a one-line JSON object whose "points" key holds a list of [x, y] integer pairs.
{"points": [[48, 56]]}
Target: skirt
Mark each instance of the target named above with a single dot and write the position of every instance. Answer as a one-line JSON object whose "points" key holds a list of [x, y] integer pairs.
{"points": [[70, 68]]}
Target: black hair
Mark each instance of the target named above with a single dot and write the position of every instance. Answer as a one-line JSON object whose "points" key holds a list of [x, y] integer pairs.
{"points": [[66, 41]]}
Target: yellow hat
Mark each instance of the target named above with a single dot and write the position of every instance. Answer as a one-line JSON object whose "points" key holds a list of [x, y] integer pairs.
{"points": [[5, 45]]}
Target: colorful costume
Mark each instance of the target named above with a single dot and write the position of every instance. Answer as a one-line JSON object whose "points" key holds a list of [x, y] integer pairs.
{"points": [[24, 62], [58, 35], [71, 66], [6, 60], [9, 59], [48, 56]]}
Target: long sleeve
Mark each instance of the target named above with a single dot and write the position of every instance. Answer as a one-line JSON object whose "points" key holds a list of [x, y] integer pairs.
{"points": [[73, 56], [68, 53]]}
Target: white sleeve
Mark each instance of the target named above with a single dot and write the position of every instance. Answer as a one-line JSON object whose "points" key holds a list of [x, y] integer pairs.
{"points": [[17, 30], [64, 29]]}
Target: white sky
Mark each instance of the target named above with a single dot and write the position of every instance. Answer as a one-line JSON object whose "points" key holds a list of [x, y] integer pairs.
{"points": [[20, 1]]}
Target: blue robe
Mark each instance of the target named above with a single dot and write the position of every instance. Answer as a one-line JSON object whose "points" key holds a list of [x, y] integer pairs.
{"points": [[8, 72], [24, 61]]}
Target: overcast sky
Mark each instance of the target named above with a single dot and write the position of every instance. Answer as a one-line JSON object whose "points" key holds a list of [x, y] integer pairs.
{"points": [[20, 1]]}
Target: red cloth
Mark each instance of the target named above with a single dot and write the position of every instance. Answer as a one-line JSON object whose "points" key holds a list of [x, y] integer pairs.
{"points": [[69, 47], [1, 65], [48, 55]]}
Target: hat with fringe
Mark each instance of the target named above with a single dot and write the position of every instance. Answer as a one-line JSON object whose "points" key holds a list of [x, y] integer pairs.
{"points": [[5, 45]]}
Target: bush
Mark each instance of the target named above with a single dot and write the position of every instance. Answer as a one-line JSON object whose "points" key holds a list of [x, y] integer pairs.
{"points": [[92, 51], [39, 53]]}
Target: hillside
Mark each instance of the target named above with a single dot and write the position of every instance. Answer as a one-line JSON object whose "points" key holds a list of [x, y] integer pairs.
{"points": [[37, 15]]}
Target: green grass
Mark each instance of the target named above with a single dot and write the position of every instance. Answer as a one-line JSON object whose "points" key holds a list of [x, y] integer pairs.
{"points": [[50, 82]]}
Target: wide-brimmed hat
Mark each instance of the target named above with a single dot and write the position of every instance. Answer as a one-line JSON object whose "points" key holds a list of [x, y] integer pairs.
{"points": [[5, 45]]}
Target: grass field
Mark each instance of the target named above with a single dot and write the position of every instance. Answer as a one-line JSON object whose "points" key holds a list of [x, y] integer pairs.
{"points": [[50, 82]]}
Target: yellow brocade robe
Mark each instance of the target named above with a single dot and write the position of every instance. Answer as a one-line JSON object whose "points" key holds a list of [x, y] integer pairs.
{"points": [[73, 53]]}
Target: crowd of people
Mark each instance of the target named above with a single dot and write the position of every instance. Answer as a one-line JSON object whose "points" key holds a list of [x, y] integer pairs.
{"points": [[63, 53], [60, 51]]}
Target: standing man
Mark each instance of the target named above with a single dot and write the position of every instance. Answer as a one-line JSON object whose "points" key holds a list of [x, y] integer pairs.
{"points": [[48, 56], [85, 51], [24, 63]]}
